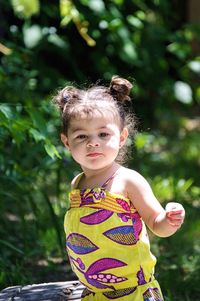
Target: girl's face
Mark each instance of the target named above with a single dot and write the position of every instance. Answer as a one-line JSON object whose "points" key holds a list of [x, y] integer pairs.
{"points": [[94, 142]]}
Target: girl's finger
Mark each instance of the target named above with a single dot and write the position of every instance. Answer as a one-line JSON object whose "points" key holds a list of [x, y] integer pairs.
{"points": [[173, 212]]}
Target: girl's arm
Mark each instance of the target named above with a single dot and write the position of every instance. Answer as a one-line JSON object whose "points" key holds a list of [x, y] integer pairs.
{"points": [[162, 222]]}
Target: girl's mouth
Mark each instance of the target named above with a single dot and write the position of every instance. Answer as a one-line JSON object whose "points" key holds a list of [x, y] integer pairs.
{"points": [[94, 155]]}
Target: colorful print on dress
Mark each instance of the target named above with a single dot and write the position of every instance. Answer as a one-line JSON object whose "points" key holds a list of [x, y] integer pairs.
{"points": [[80, 244], [95, 274], [152, 294], [124, 216], [137, 224], [123, 204], [119, 293], [86, 292], [124, 235], [78, 260], [96, 217], [89, 196], [98, 279], [140, 277]]}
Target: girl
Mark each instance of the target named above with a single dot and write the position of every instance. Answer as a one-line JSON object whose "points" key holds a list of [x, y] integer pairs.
{"points": [[106, 238]]}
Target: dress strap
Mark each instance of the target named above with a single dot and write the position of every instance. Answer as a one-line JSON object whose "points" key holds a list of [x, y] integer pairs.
{"points": [[76, 180], [109, 179]]}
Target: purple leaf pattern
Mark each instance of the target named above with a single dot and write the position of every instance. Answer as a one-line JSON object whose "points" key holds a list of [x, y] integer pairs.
{"points": [[107, 273], [78, 261], [140, 277], [104, 264], [124, 216], [152, 294], [119, 293], [137, 224], [98, 279], [124, 235], [94, 275], [96, 217], [80, 244]]}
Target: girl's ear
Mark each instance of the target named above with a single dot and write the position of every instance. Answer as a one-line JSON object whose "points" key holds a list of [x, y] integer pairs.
{"points": [[64, 140], [123, 136]]}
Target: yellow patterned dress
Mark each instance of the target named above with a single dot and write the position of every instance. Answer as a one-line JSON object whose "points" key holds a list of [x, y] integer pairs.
{"points": [[108, 247]]}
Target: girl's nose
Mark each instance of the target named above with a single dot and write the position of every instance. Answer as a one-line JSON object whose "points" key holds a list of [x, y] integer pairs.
{"points": [[93, 143]]}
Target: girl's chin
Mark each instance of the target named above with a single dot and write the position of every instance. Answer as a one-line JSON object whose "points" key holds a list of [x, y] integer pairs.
{"points": [[96, 166]]}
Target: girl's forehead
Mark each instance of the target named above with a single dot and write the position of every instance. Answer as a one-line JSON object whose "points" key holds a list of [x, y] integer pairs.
{"points": [[93, 123], [91, 114]]}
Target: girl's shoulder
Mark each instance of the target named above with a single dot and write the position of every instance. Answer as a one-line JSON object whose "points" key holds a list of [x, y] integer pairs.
{"points": [[131, 175], [133, 179]]}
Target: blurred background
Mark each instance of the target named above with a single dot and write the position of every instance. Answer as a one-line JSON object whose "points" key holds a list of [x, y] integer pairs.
{"points": [[47, 44]]}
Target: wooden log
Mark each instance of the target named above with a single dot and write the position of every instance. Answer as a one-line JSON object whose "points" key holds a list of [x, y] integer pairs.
{"points": [[53, 291]]}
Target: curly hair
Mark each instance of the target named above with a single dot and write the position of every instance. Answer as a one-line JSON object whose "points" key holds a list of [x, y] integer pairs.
{"points": [[84, 103]]}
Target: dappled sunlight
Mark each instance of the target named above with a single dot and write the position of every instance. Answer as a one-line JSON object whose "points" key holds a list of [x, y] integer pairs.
{"points": [[45, 46]]}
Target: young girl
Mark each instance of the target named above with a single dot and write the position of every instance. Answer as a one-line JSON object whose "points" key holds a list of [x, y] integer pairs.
{"points": [[106, 238]]}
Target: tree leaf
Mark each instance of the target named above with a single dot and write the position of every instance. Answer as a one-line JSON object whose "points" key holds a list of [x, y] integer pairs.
{"points": [[32, 35], [25, 8], [36, 135], [183, 92], [51, 150], [6, 110]]}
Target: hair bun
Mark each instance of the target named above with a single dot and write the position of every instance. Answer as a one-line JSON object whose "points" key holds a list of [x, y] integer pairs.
{"points": [[120, 88], [64, 96]]}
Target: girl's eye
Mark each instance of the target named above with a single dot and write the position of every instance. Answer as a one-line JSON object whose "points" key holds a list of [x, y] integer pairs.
{"points": [[81, 137], [103, 135]]}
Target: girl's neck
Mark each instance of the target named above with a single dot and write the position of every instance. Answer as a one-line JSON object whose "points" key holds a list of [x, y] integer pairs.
{"points": [[97, 177]]}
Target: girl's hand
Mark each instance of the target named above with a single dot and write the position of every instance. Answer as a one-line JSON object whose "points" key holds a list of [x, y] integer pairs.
{"points": [[175, 214]]}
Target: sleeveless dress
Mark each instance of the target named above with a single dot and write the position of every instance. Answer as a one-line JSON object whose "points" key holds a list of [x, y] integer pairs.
{"points": [[108, 247]]}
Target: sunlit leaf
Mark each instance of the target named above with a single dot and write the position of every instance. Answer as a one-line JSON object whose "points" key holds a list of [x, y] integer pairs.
{"points": [[32, 35], [38, 120], [56, 40], [198, 94], [25, 8], [181, 50], [69, 13], [119, 2], [36, 135], [136, 22], [116, 23], [51, 150], [183, 185], [96, 6], [6, 110], [141, 15], [130, 51], [183, 92], [65, 7], [194, 66]]}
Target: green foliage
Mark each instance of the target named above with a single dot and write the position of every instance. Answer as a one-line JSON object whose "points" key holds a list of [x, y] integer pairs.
{"points": [[24, 8], [45, 45]]}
